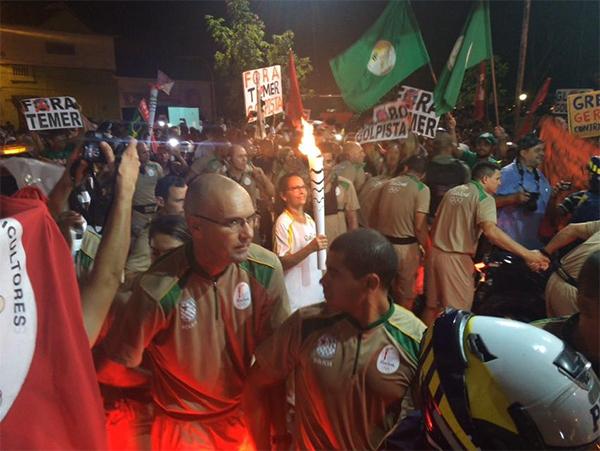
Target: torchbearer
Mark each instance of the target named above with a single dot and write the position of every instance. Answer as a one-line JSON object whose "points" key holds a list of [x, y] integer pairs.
{"points": [[317, 182]]}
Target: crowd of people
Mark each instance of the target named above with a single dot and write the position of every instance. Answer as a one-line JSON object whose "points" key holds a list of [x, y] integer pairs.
{"points": [[213, 327]]}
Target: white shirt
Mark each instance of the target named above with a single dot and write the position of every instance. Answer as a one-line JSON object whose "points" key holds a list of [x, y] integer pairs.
{"points": [[302, 280]]}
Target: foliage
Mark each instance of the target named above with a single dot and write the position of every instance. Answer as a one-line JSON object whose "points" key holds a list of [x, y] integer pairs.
{"points": [[242, 46]]}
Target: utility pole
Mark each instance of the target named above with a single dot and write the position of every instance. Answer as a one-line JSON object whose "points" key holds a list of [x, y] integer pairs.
{"points": [[522, 58]]}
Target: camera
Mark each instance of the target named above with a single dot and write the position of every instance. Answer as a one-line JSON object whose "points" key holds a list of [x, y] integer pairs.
{"points": [[531, 204], [91, 151]]}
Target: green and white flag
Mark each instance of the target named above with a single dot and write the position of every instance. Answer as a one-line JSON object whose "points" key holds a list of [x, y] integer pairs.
{"points": [[472, 46], [386, 54]]}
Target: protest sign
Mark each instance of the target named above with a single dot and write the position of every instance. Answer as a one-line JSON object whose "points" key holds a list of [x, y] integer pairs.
{"points": [[384, 131], [413, 110], [560, 99], [584, 114], [263, 83], [49, 113]]}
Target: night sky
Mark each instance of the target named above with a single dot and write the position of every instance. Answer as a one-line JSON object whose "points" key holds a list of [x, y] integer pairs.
{"points": [[563, 37]]}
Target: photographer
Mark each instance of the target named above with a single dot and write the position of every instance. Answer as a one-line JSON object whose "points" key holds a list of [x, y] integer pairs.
{"points": [[524, 193], [98, 290]]}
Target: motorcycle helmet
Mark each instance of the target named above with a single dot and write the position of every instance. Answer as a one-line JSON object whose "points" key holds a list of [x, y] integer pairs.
{"points": [[494, 383], [594, 165]]}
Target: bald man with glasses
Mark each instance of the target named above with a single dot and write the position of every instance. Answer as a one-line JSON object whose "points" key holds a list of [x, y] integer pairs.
{"points": [[199, 312]]}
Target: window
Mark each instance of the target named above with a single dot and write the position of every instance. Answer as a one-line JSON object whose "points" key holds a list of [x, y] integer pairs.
{"points": [[22, 73], [20, 70], [60, 48]]}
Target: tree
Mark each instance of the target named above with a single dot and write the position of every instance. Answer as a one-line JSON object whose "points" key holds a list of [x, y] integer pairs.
{"points": [[242, 46]]}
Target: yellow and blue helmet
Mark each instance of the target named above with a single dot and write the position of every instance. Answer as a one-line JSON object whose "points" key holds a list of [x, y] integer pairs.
{"points": [[494, 383]]}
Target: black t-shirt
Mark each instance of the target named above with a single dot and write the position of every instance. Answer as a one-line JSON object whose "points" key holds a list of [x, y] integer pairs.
{"points": [[441, 175]]}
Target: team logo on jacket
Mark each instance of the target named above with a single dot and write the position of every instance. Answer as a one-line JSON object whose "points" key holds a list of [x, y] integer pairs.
{"points": [[188, 311], [242, 297], [325, 350], [388, 360]]}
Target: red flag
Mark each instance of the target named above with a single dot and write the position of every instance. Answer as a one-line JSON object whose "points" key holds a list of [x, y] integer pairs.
{"points": [[50, 397], [294, 106], [144, 111], [479, 110], [527, 126]]}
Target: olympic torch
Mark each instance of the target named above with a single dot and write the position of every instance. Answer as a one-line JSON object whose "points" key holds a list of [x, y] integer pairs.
{"points": [[153, 102], [309, 148]]}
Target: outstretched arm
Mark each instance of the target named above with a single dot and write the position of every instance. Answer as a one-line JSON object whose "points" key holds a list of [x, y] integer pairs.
{"points": [[100, 288]]}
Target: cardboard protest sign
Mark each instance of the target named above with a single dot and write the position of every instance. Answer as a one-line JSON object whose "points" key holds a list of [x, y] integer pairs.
{"points": [[384, 131], [413, 110], [264, 84], [584, 114], [50, 113], [560, 99]]}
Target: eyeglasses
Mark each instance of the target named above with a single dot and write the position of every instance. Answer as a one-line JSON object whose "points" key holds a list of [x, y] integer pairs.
{"points": [[234, 224], [297, 188]]}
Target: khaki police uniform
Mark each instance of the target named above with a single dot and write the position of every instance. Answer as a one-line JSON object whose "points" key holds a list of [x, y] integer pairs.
{"points": [[248, 182], [200, 334], [401, 199], [368, 197], [208, 164], [455, 235], [140, 257], [345, 200], [353, 172], [352, 383], [561, 291], [144, 200]]}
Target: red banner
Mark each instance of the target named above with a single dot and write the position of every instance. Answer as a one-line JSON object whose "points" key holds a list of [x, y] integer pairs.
{"points": [[143, 110], [50, 397], [537, 102], [294, 106]]}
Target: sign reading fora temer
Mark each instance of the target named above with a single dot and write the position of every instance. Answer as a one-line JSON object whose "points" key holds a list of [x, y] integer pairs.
{"points": [[49, 113], [264, 84]]}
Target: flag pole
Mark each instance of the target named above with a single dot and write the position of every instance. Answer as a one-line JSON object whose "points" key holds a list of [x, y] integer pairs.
{"points": [[522, 57], [435, 81], [495, 90]]}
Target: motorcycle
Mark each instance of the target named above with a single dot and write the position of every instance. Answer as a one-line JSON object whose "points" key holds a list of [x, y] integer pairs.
{"points": [[507, 288]]}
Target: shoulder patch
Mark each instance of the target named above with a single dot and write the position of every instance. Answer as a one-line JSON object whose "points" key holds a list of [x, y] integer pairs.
{"points": [[407, 341], [260, 264], [170, 299]]}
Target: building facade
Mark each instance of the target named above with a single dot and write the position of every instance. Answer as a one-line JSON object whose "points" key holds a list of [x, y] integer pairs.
{"points": [[38, 62]]}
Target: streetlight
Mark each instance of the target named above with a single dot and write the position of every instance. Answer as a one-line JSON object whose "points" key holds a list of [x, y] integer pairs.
{"points": [[522, 97]]}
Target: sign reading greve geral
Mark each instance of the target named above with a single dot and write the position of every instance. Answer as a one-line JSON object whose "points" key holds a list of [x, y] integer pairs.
{"points": [[49, 113], [264, 83], [584, 114], [413, 110]]}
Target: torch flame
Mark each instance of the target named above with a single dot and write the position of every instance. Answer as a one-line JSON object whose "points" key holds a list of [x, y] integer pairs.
{"points": [[308, 146]]}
